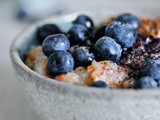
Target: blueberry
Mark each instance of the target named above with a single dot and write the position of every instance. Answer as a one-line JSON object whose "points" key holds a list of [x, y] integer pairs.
{"points": [[21, 14], [107, 49], [60, 62], [82, 56], [146, 82], [129, 18], [99, 84], [151, 68], [158, 83], [78, 34], [100, 32], [55, 42], [46, 30], [125, 34], [86, 21]]}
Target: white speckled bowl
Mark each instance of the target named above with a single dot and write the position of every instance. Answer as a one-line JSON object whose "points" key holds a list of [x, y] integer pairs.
{"points": [[59, 101]]}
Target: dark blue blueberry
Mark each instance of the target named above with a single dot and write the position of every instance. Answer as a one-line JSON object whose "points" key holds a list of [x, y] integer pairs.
{"points": [[82, 56], [46, 30], [124, 34], [99, 84], [85, 21], [100, 32], [60, 62], [21, 14], [129, 18], [146, 82], [107, 49], [78, 34], [151, 68], [55, 42], [158, 83]]}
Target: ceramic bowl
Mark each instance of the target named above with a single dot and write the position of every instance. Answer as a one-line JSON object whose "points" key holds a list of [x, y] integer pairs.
{"points": [[59, 101]]}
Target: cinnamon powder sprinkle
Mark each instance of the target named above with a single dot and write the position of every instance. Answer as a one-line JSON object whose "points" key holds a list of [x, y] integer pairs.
{"points": [[149, 27]]}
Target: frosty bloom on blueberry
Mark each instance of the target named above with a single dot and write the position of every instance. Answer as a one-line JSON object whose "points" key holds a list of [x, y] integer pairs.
{"points": [[124, 34], [129, 18], [60, 62], [85, 21], [82, 56], [107, 49], [108, 55], [55, 42], [151, 68]]}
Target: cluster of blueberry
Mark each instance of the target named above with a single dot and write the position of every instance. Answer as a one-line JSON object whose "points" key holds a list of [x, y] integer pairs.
{"points": [[149, 74], [105, 43]]}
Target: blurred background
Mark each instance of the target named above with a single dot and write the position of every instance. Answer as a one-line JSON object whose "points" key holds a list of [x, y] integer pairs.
{"points": [[17, 14]]}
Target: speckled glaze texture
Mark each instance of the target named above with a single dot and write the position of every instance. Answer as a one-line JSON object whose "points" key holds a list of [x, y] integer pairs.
{"points": [[59, 101]]}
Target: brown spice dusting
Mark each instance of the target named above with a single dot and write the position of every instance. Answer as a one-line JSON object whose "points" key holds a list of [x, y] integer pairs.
{"points": [[150, 27], [31, 56], [117, 75], [37, 61]]}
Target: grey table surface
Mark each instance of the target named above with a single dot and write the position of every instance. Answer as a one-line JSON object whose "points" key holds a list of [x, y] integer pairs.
{"points": [[13, 104]]}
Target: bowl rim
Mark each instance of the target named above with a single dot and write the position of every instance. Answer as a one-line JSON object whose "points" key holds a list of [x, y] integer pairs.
{"points": [[52, 84]]}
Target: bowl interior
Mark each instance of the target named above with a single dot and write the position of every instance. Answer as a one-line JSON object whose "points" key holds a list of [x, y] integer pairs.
{"points": [[65, 22], [28, 38]]}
